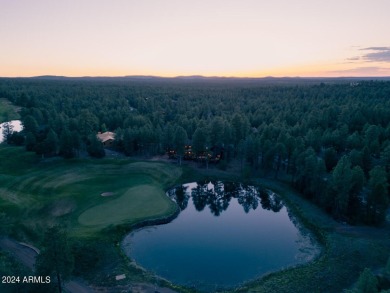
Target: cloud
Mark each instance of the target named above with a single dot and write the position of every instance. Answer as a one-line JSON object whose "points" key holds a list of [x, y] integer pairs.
{"points": [[354, 58], [373, 54], [375, 49], [378, 56], [362, 71]]}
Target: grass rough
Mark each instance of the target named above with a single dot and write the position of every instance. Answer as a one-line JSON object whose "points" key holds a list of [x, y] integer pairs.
{"points": [[8, 111], [36, 194]]}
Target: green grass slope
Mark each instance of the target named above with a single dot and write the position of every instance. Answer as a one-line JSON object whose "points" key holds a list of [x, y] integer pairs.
{"points": [[136, 203], [35, 194], [8, 111]]}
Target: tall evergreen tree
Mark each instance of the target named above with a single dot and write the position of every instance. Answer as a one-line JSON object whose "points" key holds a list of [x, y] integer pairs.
{"points": [[357, 184], [95, 147], [216, 131], [180, 140], [168, 137], [281, 152], [366, 160], [341, 186], [7, 131], [129, 142], [199, 140], [377, 199], [367, 282], [66, 148], [51, 143], [30, 124], [330, 158], [30, 141], [55, 259], [387, 268]]}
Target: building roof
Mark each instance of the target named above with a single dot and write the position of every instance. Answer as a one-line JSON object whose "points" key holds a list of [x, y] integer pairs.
{"points": [[105, 136]]}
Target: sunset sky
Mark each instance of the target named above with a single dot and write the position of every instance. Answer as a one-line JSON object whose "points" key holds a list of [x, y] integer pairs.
{"points": [[253, 38]]}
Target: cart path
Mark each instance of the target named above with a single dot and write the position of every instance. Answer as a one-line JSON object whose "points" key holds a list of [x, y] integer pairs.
{"points": [[26, 254]]}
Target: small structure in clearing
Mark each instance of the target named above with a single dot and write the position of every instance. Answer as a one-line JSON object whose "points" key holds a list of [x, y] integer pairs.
{"points": [[120, 277], [107, 138]]}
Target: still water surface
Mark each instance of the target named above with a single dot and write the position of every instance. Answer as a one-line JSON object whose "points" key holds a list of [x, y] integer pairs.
{"points": [[16, 126], [226, 234]]}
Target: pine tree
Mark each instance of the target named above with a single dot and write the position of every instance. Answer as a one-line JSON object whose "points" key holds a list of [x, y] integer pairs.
{"points": [[387, 268], [216, 131], [7, 131], [377, 199], [366, 160], [168, 136], [66, 144], [341, 186], [330, 158], [30, 124], [367, 282], [199, 140], [51, 143], [95, 147], [357, 184], [55, 259], [180, 140], [30, 141]]}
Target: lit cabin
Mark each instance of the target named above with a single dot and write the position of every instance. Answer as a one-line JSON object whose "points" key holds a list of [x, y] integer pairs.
{"points": [[171, 154], [188, 153]]}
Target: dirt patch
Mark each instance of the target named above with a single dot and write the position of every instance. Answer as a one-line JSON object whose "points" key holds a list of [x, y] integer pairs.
{"points": [[107, 194]]}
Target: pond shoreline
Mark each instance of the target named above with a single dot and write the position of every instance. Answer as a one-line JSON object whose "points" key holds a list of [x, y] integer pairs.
{"points": [[16, 126], [309, 249], [142, 225], [337, 267], [156, 221]]}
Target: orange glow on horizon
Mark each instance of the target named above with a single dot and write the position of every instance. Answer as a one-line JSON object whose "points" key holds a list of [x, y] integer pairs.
{"points": [[320, 70], [207, 37]]}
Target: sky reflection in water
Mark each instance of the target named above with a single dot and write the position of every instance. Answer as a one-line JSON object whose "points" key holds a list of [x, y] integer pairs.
{"points": [[226, 234]]}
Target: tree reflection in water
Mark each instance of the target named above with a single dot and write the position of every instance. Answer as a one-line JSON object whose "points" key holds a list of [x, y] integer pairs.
{"points": [[217, 195], [180, 196]]}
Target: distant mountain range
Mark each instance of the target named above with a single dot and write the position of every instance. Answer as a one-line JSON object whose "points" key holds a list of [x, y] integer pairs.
{"points": [[216, 79]]}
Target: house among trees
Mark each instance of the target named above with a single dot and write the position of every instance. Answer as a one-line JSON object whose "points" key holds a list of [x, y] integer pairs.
{"points": [[217, 153], [188, 153], [107, 138], [172, 154]]}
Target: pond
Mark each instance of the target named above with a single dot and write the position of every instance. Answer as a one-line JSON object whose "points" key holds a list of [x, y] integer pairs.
{"points": [[16, 126], [227, 233]]}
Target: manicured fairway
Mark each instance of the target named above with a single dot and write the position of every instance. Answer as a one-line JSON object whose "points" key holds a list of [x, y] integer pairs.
{"points": [[36, 193], [136, 203]]}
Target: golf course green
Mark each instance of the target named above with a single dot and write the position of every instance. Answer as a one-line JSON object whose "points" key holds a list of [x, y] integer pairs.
{"points": [[100, 200], [38, 193]]}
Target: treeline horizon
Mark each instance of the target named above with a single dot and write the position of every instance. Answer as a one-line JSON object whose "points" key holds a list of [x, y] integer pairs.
{"points": [[203, 78], [331, 138]]}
